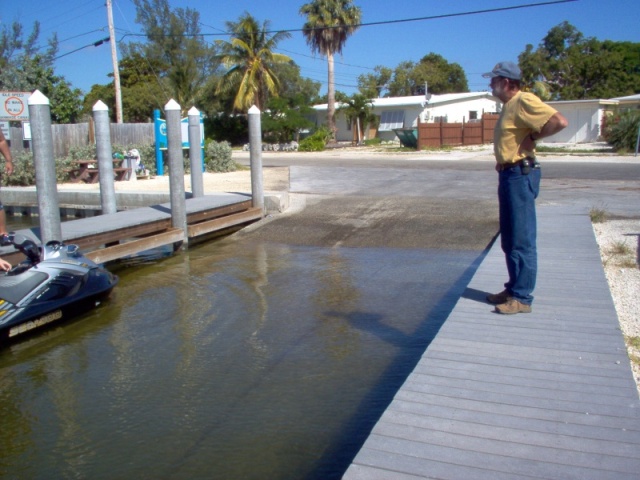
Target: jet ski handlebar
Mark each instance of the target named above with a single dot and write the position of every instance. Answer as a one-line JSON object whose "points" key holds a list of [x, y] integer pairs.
{"points": [[23, 244]]}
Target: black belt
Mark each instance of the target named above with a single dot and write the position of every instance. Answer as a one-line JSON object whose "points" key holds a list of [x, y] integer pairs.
{"points": [[524, 163]]}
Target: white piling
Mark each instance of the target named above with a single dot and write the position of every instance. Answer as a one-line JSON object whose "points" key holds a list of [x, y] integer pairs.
{"points": [[255, 157], [46, 187], [176, 167], [105, 158], [195, 153]]}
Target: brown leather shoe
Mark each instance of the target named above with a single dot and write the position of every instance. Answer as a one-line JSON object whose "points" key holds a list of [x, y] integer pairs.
{"points": [[512, 306], [498, 298]]}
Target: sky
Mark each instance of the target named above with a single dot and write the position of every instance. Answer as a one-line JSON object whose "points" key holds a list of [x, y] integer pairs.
{"points": [[475, 34]]}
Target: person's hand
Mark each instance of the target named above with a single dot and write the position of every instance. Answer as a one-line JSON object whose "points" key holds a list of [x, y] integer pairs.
{"points": [[527, 145], [8, 167], [4, 265]]}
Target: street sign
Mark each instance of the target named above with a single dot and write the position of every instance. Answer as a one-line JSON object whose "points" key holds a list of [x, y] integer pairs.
{"points": [[13, 106]]}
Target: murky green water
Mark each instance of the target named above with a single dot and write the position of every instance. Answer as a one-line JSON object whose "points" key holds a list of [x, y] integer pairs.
{"points": [[234, 360]]}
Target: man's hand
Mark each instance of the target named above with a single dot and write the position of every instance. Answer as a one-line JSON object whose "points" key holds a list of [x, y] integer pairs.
{"points": [[527, 145], [4, 265], [8, 168]]}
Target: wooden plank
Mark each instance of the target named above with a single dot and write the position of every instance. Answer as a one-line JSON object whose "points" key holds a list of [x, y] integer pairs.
{"points": [[217, 212], [224, 222], [119, 234], [173, 235]]}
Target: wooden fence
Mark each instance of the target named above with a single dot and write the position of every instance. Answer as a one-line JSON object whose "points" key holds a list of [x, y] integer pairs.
{"points": [[82, 134], [455, 134]]}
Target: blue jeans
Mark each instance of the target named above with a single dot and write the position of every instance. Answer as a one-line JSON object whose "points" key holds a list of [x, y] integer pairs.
{"points": [[517, 193]]}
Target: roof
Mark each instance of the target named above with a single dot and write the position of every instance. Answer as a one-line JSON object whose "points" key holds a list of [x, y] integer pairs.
{"points": [[629, 98], [419, 100], [595, 101]]}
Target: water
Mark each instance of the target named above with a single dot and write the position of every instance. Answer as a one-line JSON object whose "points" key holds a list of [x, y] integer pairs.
{"points": [[234, 360], [20, 222]]}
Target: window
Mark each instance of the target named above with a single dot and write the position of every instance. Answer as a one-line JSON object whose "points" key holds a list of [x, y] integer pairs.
{"points": [[390, 120]]}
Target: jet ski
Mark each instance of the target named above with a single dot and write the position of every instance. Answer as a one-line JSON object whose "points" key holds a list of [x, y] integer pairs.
{"points": [[54, 283]]}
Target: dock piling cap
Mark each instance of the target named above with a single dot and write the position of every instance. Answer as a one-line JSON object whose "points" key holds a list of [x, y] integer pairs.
{"points": [[172, 105], [100, 106], [38, 98]]}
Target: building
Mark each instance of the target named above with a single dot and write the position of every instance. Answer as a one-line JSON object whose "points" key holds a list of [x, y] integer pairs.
{"points": [[585, 120], [585, 117], [405, 112]]}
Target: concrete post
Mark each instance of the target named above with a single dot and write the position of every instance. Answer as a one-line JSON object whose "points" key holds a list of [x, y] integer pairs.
{"points": [[176, 167], [195, 153], [105, 158], [255, 158], [45, 164]]}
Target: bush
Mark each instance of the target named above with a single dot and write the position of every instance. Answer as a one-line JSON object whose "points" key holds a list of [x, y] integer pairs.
{"points": [[622, 131], [316, 142], [217, 157], [24, 172]]}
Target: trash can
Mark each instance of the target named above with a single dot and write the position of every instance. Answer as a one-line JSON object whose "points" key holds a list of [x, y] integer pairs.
{"points": [[408, 136]]}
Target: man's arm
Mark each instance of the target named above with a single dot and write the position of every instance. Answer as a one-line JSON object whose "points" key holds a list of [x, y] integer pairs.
{"points": [[556, 123], [6, 153]]}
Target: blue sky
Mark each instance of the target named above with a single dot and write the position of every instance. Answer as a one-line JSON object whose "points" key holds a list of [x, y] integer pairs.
{"points": [[476, 41]]}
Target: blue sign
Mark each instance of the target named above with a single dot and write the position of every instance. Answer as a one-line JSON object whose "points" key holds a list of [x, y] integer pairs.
{"points": [[162, 143]]}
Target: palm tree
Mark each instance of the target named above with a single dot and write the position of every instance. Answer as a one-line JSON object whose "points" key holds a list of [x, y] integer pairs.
{"points": [[249, 57], [359, 112], [329, 24]]}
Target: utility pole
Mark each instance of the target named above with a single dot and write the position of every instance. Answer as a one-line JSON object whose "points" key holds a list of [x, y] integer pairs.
{"points": [[114, 59]]}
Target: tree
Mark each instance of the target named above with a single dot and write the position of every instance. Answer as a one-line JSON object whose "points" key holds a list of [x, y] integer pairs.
{"points": [[329, 24], [143, 90], [371, 85], [250, 58], [574, 67], [181, 59], [359, 112], [284, 118], [293, 85], [24, 68], [621, 130], [432, 72]]}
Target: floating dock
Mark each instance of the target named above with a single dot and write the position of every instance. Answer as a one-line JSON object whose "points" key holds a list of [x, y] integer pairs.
{"points": [[109, 237]]}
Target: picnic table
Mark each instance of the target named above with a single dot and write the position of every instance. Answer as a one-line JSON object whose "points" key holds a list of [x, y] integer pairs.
{"points": [[87, 171]]}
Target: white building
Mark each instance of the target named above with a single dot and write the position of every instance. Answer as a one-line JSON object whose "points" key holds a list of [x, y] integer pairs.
{"points": [[585, 120], [404, 112], [585, 116]]}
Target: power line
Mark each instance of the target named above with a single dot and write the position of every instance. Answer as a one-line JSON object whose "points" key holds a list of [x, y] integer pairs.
{"points": [[447, 15], [94, 44], [382, 22]]}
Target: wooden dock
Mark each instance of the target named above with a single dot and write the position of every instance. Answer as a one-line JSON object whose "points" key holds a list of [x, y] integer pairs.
{"points": [[548, 394], [108, 237]]}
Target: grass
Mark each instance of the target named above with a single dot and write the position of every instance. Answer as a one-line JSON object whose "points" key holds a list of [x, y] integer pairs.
{"points": [[597, 215], [634, 342], [619, 254], [633, 346], [620, 248], [550, 149]]}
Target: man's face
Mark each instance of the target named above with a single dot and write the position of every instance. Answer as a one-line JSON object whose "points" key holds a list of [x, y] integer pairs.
{"points": [[498, 86]]}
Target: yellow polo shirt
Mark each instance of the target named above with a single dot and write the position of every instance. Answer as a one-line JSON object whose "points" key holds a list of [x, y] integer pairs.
{"points": [[524, 114]]}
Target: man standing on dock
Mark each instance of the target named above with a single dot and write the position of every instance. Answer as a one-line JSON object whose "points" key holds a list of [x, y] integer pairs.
{"points": [[524, 120], [8, 170]]}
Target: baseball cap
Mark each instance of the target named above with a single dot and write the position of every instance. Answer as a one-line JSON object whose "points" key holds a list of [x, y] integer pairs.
{"points": [[506, 70]]}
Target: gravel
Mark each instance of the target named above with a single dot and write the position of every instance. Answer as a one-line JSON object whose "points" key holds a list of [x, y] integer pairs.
{"points": [[619, 242]]}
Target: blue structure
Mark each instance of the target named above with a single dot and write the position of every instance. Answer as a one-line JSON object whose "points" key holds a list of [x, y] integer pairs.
{"points": [[160, 133]]}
